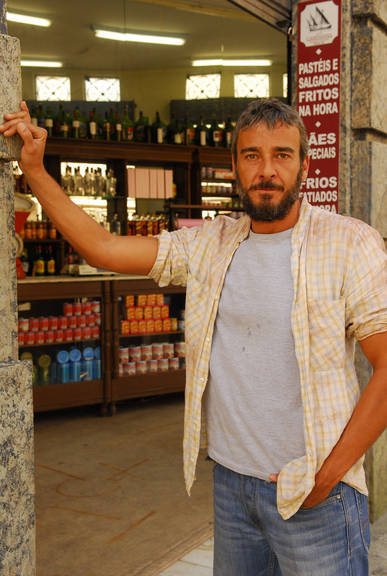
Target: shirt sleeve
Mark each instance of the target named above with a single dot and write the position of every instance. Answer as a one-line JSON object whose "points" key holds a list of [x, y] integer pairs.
{"points": [[366, 285], [172, 261]]}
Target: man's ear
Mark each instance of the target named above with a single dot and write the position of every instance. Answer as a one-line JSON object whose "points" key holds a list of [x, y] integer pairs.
{"points": [[305, 167]]}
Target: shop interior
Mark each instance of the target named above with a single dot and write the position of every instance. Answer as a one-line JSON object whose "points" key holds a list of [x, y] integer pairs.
{"points": [[138, 136]]}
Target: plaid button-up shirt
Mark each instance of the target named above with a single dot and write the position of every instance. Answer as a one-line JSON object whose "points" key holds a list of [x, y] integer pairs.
{"points": [[339, 278]]}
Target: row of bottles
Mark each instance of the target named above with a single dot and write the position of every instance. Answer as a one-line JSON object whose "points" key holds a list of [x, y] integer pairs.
{"points": [[92, 183], [147, 224], [116, 127], [38, 260]]}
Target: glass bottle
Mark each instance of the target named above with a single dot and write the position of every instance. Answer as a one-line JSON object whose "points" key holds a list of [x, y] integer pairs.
{"points": [[115, 225], [216, 134], [229, 130], [92, 126], [139, 128], [107, 129], [189, 133], [50, 262], [76, 123], [68, 181], [127, 127], [202, 133], [111, 184], [158, 130], [118, 128], [49, 121]]}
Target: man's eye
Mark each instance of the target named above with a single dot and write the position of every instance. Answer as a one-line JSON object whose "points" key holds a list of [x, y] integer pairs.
{"points": [[251, 156], [283, 155]]}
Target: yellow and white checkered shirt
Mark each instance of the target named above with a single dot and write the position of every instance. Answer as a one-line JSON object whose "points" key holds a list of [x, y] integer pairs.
{"points": [[340, 294]]}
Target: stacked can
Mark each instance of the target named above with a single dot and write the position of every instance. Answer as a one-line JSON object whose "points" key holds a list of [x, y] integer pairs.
{"points": [[151, 358], [80, 321], [147, 314]]}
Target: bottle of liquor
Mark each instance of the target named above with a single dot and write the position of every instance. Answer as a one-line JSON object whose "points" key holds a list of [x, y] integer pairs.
{"points": [[25, 262], [82, 126], [49, 121], [189, 133], [179, 134], [111, 184], [39, 263], [50, 261], [92, 127], [139, 128], [115, 225], [76, 123], [158, 130], [216, 134], [118, 127], [202, 133], [64, 123], [107, 128], [68, 181], [228, 130], [127, 127]]}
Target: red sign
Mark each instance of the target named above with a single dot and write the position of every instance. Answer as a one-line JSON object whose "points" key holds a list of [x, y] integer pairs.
{"points": [[318, 88]]}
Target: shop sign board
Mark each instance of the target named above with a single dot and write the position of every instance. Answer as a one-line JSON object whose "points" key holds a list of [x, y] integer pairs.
{"points": [[318, 90]]}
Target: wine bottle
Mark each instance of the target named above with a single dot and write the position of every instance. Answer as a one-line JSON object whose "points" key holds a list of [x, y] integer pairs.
{"points": [[118, 128], [49, 121], [189, 133], [127, 127], [216, 134], [158, 130], [202, 133], [139, 128], [107, 129], [50, 261], [92, 127], [76, 122]]}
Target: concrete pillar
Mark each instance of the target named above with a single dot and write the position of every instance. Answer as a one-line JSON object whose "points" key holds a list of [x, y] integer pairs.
{"points": [[363, 148], [17, 533]]}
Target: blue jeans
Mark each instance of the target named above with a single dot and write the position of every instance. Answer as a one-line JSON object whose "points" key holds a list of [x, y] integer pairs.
{"points": [[252, 539]]}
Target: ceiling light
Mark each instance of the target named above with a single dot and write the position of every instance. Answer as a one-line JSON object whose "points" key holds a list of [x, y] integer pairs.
{"points": [[41, 63], [221, 62], [147, 38], [23, 19]]}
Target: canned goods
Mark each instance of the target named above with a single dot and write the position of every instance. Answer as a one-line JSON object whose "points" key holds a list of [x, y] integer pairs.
{"points": [[157, 351], [62, 356], [180, 349], [86, 333], [173, 324], [39, 337], [24, 324], [49, 337], [158, 326], [95, 307], [129, 368], [131, 313], [20, 338], [88, 353], [159, 299], [166, 325], [87, 369], [147, 312], [173, 363], [63, 373], [151, 300], [163, 365], [75, 355], [135, 353], [156, 312], [98, 319], [29, 338], [150, 326], [141, 367], [165, 311], [96, 369], [125, 327], [168, 350], [120, 370], [142, 326], [77, 333], [34, 324], [72, 322], [68, 309], [129, 300], [181, 325], [146, 352], [152, 365], [62, 322], [68, 335], [86, 308], [53, 322], [133, 327], [82, 321], [77, 308], [138, 313], [123, 355], [59, 335], [141, 300]]}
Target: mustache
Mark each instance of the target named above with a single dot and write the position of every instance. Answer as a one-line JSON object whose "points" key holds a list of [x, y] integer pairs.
{"points": [[265, 185]]}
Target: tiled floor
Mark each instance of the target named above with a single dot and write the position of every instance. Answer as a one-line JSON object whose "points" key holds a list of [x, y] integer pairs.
{"points": [[196, 563]]}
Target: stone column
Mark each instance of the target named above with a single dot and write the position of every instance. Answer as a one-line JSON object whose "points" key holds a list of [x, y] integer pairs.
{"points": [[363, 148], [17, 535]]}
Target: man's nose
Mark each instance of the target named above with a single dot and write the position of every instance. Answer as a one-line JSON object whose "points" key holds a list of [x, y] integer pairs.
{"points": [[266, 169]]}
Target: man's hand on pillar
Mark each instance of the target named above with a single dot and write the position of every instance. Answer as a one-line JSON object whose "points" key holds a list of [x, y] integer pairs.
{"points": [[34, 138]]}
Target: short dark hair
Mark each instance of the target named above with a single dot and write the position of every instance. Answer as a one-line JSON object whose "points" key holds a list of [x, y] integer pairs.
{"points": [[270, 111]]}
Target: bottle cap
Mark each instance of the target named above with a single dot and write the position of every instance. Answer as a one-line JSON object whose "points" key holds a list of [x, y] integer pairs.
{"points": [[75, 355], [44, 361], [88, 353], [62, 356]]}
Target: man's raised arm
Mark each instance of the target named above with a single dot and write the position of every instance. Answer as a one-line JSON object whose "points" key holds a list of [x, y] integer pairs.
{"points": [[126, 254]]}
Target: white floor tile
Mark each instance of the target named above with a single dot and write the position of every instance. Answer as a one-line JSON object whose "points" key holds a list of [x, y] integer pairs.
{"points": [[186, 569], [200, 556]]}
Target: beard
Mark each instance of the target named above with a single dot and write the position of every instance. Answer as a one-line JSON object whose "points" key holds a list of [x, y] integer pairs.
{"points": [[266, 210]]}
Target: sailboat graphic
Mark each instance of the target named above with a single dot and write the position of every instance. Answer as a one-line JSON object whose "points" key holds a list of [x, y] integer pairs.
{"points": [[318, 21]]}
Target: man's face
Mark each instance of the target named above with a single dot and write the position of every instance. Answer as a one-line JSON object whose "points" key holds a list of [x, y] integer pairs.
{"points": [[269, 171]]}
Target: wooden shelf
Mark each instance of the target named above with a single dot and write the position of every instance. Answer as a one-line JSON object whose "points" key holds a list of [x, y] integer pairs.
{"points": [[170, 333], [57, 396], [64, 343], [150, 384]]}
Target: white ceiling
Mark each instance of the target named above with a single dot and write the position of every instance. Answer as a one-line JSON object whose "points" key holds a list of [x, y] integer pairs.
{"points": [[212, 28]]}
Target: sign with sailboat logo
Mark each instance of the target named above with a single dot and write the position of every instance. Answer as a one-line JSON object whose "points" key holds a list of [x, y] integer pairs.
{"points": [[318, 97]]}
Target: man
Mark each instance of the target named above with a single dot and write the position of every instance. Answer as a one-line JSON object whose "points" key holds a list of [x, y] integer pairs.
{"points": [[274, 303]]}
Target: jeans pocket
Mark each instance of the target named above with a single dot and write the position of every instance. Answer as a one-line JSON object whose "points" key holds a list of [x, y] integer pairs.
{"points": [[333, 496], [362, 507]]}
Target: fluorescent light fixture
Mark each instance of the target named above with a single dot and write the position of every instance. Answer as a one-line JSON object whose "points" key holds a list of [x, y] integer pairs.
{"points": [[221, 62], [41, 64], [24, 19], [146, 38]]}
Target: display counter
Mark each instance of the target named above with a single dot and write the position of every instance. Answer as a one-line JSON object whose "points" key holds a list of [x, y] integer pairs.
{"points": [[101, 339]]}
